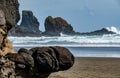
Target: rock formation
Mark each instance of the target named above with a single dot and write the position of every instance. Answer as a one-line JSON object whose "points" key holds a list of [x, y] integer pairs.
{"points": [[29, 22], [11, 11], [99, 32], [7, 68], [40, 62], [55, 26], [27, 64], [9, 16], [29, 25]]}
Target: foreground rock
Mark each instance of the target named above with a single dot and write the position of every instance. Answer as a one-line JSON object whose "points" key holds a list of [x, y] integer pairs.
{"points": [[7, 68], [9, 16], [55, 26], [39, 62], [29, 25]]}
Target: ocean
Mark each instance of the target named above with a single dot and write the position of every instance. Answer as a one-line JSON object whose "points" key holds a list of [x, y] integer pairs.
{"points": [[80, 46], [111, 40]]}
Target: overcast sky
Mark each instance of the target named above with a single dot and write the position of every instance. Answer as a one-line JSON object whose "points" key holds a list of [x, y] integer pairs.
{"points": [[83, 15]]}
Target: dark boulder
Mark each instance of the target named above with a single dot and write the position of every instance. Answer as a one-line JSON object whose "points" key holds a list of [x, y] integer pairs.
{"points": [[64, 57], [51, 59], [55, 26], [22, 57], [40, 62], [29, 61]]}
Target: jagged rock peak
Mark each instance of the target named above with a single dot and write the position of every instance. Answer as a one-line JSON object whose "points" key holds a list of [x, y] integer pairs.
{"points": [[29, 21], [55, 26]]}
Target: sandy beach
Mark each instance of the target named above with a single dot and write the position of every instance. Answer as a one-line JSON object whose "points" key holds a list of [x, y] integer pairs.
{"points": [[86, 67]]}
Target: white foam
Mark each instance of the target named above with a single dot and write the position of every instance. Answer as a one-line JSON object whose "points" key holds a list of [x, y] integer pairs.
{"points": [[112, 40], [113, 29], [63, 35]]}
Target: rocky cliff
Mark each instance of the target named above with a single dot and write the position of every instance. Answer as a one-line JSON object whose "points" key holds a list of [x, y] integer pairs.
{"points": [[29, 25], [11, 12], [9, 16], [55, 26]]}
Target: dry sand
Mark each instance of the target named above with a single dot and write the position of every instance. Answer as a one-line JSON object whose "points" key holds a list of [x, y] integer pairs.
{"points": [[92, 68]]}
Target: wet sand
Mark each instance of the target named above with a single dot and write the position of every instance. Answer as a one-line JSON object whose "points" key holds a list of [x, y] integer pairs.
{"points": [[86, 67]]}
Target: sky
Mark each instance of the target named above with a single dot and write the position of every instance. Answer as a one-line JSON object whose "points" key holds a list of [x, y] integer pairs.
{"points": [[83, 15]]}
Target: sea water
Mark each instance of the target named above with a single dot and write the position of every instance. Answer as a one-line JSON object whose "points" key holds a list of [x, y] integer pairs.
{"points": [[111, 40], [80, 46], [95, 51]]}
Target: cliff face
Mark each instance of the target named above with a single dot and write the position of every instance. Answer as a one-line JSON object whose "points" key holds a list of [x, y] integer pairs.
{"points": [[29, 25], [9, 16], [11, 12], [55, 26]]}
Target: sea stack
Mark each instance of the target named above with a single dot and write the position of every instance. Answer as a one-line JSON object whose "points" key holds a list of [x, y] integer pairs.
{"points": [[29, 25], [55, 26], [29, 22]]}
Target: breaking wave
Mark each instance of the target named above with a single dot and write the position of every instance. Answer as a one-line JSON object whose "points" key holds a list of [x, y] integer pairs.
{"points": [[110, 40], [113, 29], [81, 41]]}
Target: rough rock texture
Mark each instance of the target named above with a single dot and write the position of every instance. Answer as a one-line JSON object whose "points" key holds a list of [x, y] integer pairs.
{"points": [[7, 68], [11, 11], [99, 32], [55, 26], [51, 59], [9, 16], [29, 25], [40, 62]]}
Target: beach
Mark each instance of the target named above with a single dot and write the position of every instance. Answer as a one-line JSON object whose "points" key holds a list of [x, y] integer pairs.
{"points": [[91, 67]]}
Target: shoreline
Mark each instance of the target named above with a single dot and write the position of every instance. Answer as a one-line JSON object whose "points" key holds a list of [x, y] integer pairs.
{"points": [[91, 67]]}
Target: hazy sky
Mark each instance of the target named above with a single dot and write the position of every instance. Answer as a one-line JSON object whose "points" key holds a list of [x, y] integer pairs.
{"points": [[83, 15]]}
